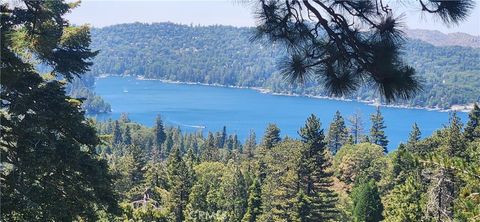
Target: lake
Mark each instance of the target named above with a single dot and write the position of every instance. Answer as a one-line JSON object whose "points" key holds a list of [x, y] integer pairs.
{"points": [[193, 107]]}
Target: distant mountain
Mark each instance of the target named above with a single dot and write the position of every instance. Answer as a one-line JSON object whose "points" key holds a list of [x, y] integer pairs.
{"points": [[438, 38], [225, 55]]}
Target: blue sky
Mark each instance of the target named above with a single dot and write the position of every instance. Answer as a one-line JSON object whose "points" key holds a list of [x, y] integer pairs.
{"points": [[100, 13]]}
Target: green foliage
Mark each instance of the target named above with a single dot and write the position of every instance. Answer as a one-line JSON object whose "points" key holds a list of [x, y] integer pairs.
{"points": [[361, 161], [472, 129], [317, 197], [180, 181], [159, 133], [366, 202], [50, 168], [226, 56], [405, 202], [377, 133], [337, 133], [413, 139], [117, 134], [254, 202], [280, 186], [271, 136], [82, 88]]}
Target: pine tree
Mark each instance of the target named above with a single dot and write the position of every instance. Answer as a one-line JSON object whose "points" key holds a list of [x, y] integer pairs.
{"points": [[356, 126], [456, 143], [472, 129], [377, 133], [210, 151], [159, 134], [316, 180], [50, 168], [367, 205], [250, 144], [127, 136], [337, 133], [223, 137], [254, 203], [180, 178], [404, 202], [117, 134], [140, 161], [271, 137], [413, 139], [234, 193]]}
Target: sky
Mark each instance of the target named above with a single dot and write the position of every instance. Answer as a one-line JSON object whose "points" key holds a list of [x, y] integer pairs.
{"points": [[101, 13]]}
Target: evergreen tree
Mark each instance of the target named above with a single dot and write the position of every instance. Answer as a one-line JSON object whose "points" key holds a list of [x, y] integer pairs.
{"points": [[50, 168], [254, 203], [159, 134], [234, 193], [117, 134], [180, 178], [337, 133], [127, 136], [223, 137], [456, 143], [328, 39], [404, 202], [210, 151], [250, 144], [124, 118], [315, 178], [140, 161], [413, 139], [271, 136], [377, 133], [356, 126], [472, 129], [367, 205]]}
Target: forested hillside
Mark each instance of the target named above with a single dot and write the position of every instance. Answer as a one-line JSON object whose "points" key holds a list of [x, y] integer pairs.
{"points": [[330, 174], [225, 55]]}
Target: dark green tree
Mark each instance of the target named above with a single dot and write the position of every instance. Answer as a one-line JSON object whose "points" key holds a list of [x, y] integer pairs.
{"points": [[377, 131], [127, 136], [250, 144], [254, 202], [234, 193], [159, 134], [328, 44], [209, 150], [271, 136], [472, 129], [456, 143], [367, 205], [413, 139], [223, 137], [50, 168], [315, 178], [337, 133], [117, 134], [180, 179]]}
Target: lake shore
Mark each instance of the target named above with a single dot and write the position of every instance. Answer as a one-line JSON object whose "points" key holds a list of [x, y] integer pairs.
{"points": [[456, 108]]}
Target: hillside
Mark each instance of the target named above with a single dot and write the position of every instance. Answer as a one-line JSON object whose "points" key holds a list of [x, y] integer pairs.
{"points": [[441, 39], [225, 55]]}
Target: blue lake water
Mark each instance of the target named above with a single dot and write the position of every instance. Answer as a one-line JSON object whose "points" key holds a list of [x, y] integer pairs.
{"points": [[192, 106]]}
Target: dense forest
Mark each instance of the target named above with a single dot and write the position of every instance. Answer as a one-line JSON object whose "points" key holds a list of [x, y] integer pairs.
{"points": [[329, 174], [226, 56], [58, 165]]}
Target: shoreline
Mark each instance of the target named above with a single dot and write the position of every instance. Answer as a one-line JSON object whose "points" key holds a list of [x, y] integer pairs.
{"points": [[455, 108]]}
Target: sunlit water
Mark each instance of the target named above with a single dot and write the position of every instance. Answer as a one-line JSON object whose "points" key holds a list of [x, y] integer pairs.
{"points": [[209, 108]]}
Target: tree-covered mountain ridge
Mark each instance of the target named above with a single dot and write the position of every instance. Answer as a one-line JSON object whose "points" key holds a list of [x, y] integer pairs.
{"points": [[225, 55], [438, 38]]}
